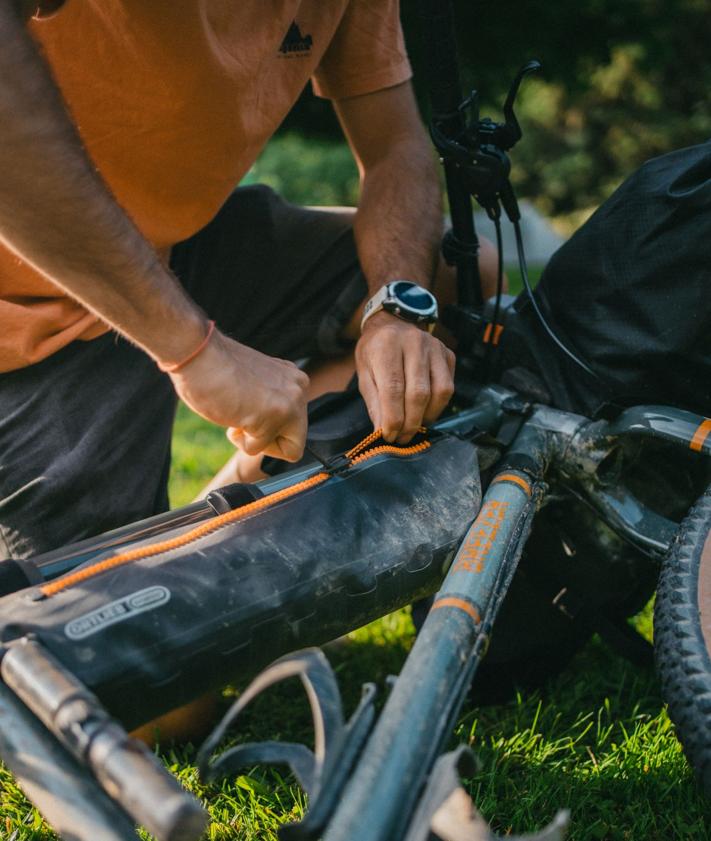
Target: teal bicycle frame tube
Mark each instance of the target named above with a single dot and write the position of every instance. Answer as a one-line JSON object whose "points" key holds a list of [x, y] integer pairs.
{"points": [[408, 736]]}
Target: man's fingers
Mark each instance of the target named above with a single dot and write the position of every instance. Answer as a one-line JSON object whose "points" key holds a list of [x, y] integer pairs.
{"points": [[370, 395], [441, 384], [250, 444], [451, 360], [242, 441], [286, 443], [289, 443], [389, 377], [285, 449], [417, 389]]}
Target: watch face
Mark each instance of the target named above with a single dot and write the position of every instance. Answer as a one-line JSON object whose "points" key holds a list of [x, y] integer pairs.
{"points": [[411, 298]]}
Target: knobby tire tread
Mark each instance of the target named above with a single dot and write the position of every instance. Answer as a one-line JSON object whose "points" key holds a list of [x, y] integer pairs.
{"points": [[682, 659]]}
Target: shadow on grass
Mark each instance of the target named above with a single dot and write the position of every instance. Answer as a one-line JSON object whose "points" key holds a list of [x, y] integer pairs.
{"points": [[596, 740]]}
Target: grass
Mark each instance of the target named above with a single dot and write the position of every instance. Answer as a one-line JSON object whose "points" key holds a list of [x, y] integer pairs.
{"points": [[199, 450], [596, 740]]}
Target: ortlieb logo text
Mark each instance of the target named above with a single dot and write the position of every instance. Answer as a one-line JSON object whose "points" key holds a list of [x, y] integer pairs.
{"points": [[117, 611]]}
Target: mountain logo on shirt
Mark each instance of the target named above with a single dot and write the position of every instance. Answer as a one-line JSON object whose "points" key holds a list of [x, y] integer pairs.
{"points": [[294, 43]]}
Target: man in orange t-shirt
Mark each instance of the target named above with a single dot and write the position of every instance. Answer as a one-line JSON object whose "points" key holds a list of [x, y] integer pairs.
{"points": [[125, 126]]}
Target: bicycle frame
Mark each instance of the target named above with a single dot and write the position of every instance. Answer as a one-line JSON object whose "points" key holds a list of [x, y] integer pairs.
{"points": [[391, 775], [550, 445]]}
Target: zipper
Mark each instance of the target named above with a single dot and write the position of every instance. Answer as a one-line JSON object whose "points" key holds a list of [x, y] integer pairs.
{"points": [[357, 455]]}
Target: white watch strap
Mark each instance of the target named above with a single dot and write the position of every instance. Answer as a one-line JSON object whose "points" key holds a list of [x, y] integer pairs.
{"points": [[375, 304]]}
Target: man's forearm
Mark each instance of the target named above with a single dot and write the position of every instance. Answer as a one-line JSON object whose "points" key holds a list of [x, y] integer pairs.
{"points": [[398, 226], [57, 214]]}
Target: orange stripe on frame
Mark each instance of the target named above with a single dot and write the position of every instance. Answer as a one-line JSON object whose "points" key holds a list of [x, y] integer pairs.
{"points": [[461, 604], [702, 433], [517, 480]]}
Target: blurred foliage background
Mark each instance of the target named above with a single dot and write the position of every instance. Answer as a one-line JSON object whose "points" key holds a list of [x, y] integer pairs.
{"points": [[623, 81]]}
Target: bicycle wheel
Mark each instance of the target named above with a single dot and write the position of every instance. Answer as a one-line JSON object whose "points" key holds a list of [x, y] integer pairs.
{"points": [[682, 636]]}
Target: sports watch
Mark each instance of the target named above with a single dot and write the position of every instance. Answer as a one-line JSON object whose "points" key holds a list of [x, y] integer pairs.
{"points": [[406, 300]]}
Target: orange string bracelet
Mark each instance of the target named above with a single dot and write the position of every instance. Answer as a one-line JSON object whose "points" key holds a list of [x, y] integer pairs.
{"points": [[178, 366]]}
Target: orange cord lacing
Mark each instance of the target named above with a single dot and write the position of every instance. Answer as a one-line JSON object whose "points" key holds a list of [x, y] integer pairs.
{"points": [[366, 442], [177, 542], [373, 437], [356, 455], [391, 449]]}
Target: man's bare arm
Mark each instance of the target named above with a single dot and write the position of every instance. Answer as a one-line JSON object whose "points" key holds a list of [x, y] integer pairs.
{"points": [[57, 215], [405, 375], [398, 224]]}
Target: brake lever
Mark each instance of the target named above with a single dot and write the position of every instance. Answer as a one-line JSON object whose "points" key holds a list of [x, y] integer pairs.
{"points": [[509, 132]]}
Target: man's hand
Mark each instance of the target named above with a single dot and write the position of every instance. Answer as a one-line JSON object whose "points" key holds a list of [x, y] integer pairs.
{"points": [[405, 375], [261, 399]]}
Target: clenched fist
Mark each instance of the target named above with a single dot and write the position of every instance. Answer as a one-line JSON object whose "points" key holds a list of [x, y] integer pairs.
{"points": [[262, 400]]}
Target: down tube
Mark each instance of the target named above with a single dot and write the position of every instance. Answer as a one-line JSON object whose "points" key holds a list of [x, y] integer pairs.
{"points": [[380, 797]]}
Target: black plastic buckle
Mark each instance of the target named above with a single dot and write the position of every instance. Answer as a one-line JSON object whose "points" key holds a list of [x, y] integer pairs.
{"points": [[337, 464]]}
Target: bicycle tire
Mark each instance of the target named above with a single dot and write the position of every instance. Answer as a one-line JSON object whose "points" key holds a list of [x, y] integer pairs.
{"points": [[682, 636]]}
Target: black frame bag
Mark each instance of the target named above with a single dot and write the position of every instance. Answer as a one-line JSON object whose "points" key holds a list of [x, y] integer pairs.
{"points": [[157, 625]]}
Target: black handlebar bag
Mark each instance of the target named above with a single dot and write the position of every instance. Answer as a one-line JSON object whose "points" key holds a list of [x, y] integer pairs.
{"points": [[630, 293], [153, 626]]}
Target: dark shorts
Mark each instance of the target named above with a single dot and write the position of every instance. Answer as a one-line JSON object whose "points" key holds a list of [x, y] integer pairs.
{"points": [[85, 434]]}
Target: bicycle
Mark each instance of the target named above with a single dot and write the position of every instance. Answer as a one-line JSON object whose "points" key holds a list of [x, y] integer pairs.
{"points": [[64, 644]]}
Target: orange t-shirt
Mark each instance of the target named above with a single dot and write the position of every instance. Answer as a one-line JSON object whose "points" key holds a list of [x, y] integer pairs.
{"points": [[174, 100]]}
